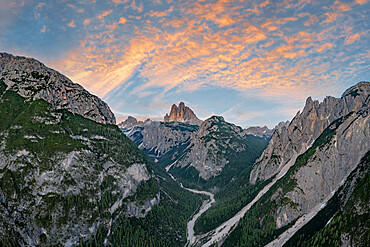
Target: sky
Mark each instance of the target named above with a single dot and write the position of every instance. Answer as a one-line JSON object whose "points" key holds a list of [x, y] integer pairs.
{"points": [[253, 62]]}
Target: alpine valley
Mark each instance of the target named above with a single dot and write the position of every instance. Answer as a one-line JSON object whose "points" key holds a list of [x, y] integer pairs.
{"points": [[71, 176]]}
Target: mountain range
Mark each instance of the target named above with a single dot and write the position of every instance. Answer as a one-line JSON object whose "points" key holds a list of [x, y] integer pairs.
{"points": [[70, 176]]}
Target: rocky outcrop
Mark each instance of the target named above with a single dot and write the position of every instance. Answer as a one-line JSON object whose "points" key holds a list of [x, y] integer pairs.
{"points": [[158, 138], [140, 210], [328, 164], [130, 122], [305, 128], [211, 146], [61, 204], [183, 114], [33, 80]]}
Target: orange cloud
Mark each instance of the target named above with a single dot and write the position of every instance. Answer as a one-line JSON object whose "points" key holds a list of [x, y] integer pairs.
{"points": [[361, 1], [339, 6], [139, 8], [157, 13], [122, 20], [325, 46], [79, 10], [248, 54], [225, 21], [71, 24], [263, 4], [104, 14], [350, 39]]}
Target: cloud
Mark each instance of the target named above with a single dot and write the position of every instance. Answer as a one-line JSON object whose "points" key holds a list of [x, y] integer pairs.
{"points": [[122, 20], [40, 5], [139, 7], [120, 1], [188, 45], [78, 10], [71, 24], [324, 47], [361, 1], [87, 22], [263, 4], [104, 14], [350, 39]]}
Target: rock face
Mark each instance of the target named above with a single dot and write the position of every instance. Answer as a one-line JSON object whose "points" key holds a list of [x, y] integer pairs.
{"points": [[183, 114], [314, 156], [62, 176], [33, 80], [158, 138], [305, 128], [347, 140], [209, 146], [215, 145]]}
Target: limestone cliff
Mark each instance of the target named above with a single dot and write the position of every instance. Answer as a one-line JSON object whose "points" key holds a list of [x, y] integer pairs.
{"points": [[183, 114], [325, 166], [158, 138], [62, 176], [305, 128], [33, 80]]}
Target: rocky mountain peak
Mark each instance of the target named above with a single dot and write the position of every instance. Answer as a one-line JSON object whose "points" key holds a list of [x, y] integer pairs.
{"points": [[182, 113], [306, 127], [130, 122], [216, 119], [33, 80]]}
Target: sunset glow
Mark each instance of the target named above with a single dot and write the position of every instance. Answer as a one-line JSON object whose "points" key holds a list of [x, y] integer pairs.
{"points": [[254, 62]]}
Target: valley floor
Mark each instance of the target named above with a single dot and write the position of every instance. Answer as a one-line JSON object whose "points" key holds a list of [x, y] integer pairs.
{"points": [[221, 232]]}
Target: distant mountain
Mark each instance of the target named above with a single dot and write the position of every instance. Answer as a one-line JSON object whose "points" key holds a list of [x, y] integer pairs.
{"points": [[33, 80], [130, 122], [159, 139], [200, 156], [265, 132], [182, 114]]}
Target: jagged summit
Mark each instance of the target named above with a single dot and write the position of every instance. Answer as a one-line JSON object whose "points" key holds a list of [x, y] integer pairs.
{"points": [[306, 127], [183, 114], [33, 80], [130, 122]]}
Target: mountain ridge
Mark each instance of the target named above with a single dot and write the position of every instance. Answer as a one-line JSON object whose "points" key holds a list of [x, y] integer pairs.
{"points": [[305, 128], [33, 80]]}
